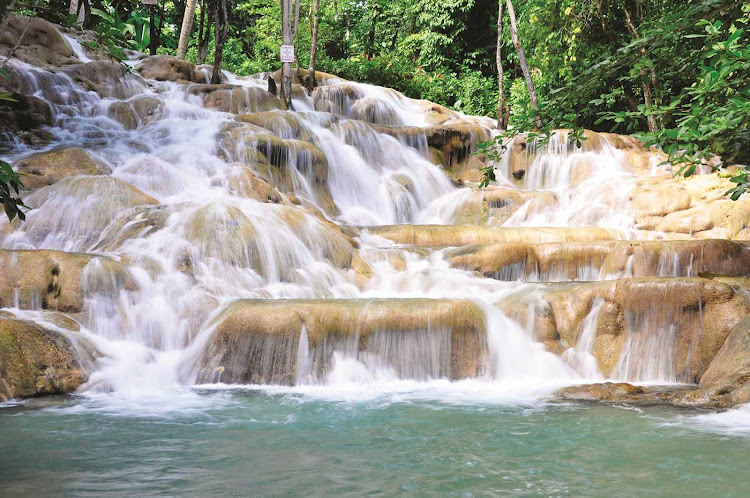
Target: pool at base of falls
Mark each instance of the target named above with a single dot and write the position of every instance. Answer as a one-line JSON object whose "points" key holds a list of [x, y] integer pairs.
{"points": [[282, 442]]}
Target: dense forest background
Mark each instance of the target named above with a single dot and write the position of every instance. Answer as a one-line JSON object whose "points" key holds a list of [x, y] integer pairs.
{"points": [[676, 71]]}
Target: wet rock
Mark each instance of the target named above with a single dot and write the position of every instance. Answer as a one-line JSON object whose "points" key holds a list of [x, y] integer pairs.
{"points": [[237, 100], [606, 391], [45, 168], [42, 279], [258, 341], [283, 124], [42, 44], [726, 382], [459, 235], [245, 182], [686, 320], [147, 108], [124, 114], [168, 68], [78, 209], [554, 262], [23, 118], [35, 361], [107, 78], [322, 78]]}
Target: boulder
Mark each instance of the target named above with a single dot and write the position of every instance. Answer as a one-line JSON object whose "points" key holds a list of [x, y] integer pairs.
{"points": [[45, 168], [168, 68], [667, 329], [23, 118], [53, 280], [147, 108], [236, 99], [258, 341], [73, 213], [107, 78], [36, 361], [42, 44], [726, 382], [124, 114]]}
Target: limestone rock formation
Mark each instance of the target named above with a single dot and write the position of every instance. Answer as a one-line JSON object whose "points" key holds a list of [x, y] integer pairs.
{"points": [[46, 168], [55, 280], [35, 361], [259, 341]]}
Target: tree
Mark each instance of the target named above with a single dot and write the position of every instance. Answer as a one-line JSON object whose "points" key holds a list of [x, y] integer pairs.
{"points": [[524, 64], [204, 32], [310, 80], [287, 36], [502, 117], [221, 27], [187, 28]]}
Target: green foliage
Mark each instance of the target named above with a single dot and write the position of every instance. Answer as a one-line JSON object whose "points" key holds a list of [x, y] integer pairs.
{"points": [[10, 182], [132, 32]]}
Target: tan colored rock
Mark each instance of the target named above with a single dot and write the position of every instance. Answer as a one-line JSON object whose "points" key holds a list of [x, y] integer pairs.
{"points": [[258, 341], [107, 78], [147, 108], [168, 68], [54, 280], [561, 261], [726, 382], [124, 114], [57, 209], [236, 99], [45, 168], [607, 391], [459, 235], [41, 44], [702, 311], [286, 125], [35, 361], [245, 182]]}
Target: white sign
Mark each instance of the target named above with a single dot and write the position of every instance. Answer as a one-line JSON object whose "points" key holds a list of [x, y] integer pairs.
{"points": [[149, 2], [287, 53]]}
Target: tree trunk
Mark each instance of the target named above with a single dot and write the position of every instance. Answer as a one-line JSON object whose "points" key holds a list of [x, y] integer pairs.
{"points": [[286, 67], [502, 122], [221, 25], [524, 64], [311, 82], [647, 96], [153, 33], [76, 9], [204, 30], [606, 31], [187, 28], [371, 35]]}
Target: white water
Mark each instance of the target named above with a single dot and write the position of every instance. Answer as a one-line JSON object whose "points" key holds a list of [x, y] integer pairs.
{"points": [[201, 243]]}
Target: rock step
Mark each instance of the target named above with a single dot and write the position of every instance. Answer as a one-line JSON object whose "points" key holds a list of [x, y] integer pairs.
{"points": [[282, 341], [603, 260], [35, 360], [640, 328], [461, 235], [55, 280]]}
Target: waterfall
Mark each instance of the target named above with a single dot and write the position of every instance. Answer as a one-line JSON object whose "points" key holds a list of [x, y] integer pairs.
{"points": [[203, 216]]}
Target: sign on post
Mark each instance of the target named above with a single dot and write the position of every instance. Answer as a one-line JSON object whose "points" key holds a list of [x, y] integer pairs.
{"points": [[149, 2], [287, 53]]}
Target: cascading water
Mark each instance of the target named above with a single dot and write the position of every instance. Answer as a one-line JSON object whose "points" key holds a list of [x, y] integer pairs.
{"points": [[206, 200]]}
